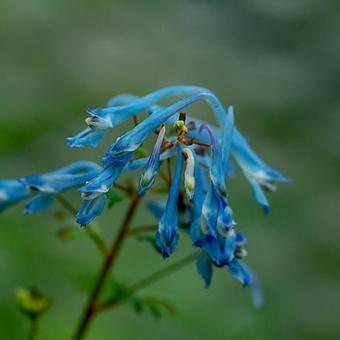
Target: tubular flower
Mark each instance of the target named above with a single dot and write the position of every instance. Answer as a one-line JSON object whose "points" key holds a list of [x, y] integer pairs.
{"points": [[199, 205], [90, 209], [216, 208], [167, 234], [44, 187], [11, 192], [258, 174], [147, 179]]}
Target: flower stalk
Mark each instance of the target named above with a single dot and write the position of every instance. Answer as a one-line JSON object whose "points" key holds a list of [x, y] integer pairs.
{"points": [[109, 260], [148, 280]]}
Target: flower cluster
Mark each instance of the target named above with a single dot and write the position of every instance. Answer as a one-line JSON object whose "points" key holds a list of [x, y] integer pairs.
{"points": [[204, 155]]}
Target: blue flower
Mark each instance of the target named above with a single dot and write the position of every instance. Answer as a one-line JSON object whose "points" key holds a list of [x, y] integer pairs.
{"points": [[121, 151], [216, 210], [125, 106], [198, 199], [147, 179], [39, 203], [117, 114], [92, 136], [130, 105], [11, 192], [132, 139], [89, 137], [259, 174], [45, 186], [62, 179], [167, 235], [90, 209], [204, 267]]}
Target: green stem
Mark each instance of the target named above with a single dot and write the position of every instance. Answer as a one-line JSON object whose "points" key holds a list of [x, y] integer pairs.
{"points": [[109, 260], [66, 204], [160, 274], [141, 230], [148, 229], [146, 281], [99, 242], [34, 327]]}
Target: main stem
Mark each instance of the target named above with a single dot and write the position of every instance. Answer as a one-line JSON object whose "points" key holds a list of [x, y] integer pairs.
{"points": [[89, 310], [33, 329]]}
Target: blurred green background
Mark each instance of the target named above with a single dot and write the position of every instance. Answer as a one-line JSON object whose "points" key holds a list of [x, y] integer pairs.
{"points": [[277, 62]]}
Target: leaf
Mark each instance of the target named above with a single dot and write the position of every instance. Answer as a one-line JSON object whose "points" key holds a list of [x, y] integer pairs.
{"points": [[117, 291], [155, 311], [68, 233], [156, 305], [204, 267], [112, 198], [137, 304]]}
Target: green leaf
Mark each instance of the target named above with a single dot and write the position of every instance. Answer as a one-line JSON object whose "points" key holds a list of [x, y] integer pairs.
{"points": [[117, 291], [156, 305], [112, 198], [155, 311], [68, 233], [137, 304]]}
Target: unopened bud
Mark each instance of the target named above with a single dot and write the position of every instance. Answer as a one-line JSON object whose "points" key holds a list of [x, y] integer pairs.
{"points": [[32, 302], [189, 179]]}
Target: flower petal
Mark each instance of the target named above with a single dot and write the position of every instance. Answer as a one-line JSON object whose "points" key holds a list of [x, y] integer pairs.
{"points": [[90, 209], [167, 235], [11, 192], [240, 272], [87, 137], [147, 179], [204, 267], [39, 203]]}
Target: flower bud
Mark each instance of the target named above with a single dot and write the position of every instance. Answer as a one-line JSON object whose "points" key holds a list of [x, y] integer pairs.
{"points": [[189, 179], [32, 302]]}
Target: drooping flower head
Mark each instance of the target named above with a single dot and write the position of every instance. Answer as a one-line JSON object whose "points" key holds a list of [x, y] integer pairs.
{"points": [[197, 203]]}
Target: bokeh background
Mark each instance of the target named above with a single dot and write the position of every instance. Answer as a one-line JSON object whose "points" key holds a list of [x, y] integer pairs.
{"points": [[277, 62]]}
